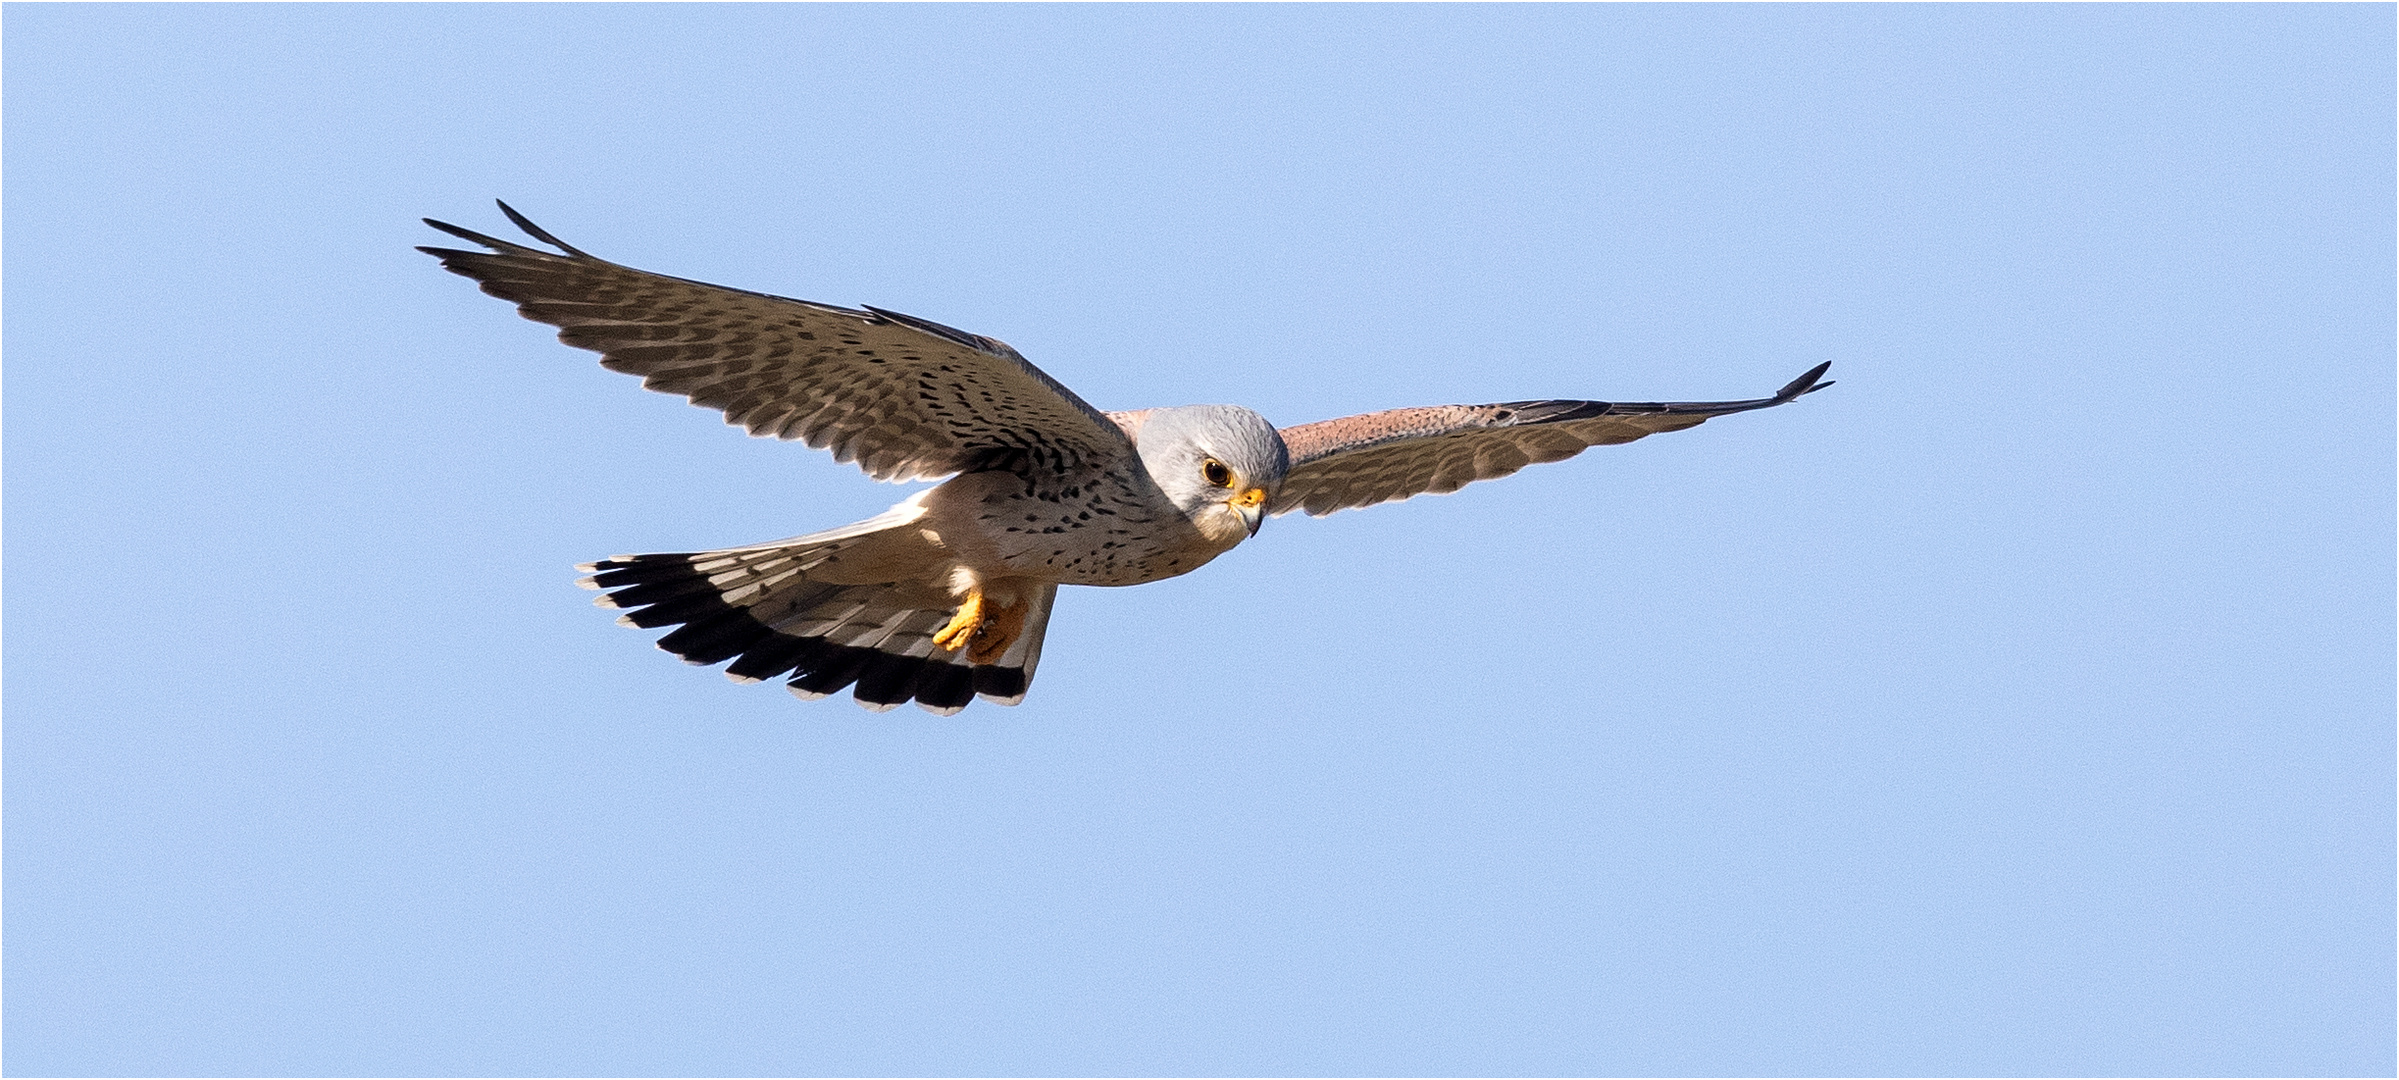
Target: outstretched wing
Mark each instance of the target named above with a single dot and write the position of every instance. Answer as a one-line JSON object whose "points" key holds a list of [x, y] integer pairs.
{"points": [[1382, 456], [903, 397]]}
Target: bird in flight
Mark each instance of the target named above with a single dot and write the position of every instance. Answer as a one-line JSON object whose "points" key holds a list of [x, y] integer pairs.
{"points": [[945, 597]]}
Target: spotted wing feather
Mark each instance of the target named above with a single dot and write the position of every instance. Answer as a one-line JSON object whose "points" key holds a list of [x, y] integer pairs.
{"points": [[905, 398], [1385, 456]]}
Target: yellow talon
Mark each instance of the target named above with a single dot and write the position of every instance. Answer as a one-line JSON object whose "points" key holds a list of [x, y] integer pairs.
{"points": [[988, 628], [992, 641], [963, 626]]}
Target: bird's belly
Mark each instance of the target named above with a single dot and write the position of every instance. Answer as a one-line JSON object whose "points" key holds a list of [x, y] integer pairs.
{"points": [[1097, 532], [1088, 545], [1100, 556]]}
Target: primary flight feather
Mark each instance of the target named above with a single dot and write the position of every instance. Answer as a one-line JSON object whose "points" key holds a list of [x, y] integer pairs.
{"points": [[946, 596]]}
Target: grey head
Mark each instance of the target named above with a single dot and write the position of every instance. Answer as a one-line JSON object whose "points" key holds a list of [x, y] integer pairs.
{"points": [[1221, 464]]}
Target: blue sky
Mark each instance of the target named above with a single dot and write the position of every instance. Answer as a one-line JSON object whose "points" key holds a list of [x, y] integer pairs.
{"points": [[2024, 704]]}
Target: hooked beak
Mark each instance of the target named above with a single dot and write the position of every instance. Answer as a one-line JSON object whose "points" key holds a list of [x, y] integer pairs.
{"points": [[1251, 505]]}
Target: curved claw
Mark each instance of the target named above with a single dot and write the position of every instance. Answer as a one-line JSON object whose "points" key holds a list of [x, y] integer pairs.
{"points": [[964, 626], [983, 629], [997, 633]]}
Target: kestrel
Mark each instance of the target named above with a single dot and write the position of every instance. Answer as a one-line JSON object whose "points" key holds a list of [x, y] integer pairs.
{"points": [[944, 598]]}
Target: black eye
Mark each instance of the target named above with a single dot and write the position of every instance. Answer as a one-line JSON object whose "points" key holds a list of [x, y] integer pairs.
{"points": [[1216, 473]]}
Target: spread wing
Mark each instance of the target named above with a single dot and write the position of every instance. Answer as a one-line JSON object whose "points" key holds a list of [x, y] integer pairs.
{"points": [[903, 397], [1382, 456]]}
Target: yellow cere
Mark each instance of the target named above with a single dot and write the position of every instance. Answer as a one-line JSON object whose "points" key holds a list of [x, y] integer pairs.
{"points": [[1250, 498]]}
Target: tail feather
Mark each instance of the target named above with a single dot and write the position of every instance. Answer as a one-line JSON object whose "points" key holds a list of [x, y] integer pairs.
{"points": [[757, 607]]}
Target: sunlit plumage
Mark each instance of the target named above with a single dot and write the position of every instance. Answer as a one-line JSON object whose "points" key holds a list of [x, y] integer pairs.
{"points": [[946, 596]]}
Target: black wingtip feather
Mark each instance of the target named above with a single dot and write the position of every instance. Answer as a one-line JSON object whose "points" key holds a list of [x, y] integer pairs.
{"points": [[829, 668], [1000, 682], [1805, 383], [537, 232], [772, 658], [888, 679], [470, 236], [946, 686]]}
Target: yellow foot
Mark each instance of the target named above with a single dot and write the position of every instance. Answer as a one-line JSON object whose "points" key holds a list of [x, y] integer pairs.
{"points": [[998, 632], [984, 629], [963, 626]]}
